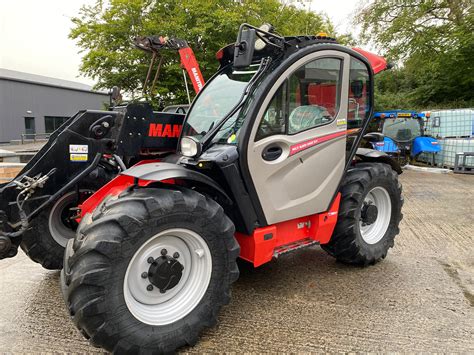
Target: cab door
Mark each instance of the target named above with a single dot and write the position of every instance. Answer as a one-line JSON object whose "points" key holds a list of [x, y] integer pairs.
{"points": [[297, 146]]}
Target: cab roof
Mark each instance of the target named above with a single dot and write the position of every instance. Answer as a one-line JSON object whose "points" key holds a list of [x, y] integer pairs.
{"points": [[295, 43]]}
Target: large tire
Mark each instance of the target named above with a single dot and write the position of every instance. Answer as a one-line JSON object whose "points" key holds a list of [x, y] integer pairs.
{"points": [[363, 237], [98, 271], [45, 240]]}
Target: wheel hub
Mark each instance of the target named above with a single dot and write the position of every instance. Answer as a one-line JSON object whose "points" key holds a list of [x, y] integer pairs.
{"points": [[368, 213], [165, 272]]}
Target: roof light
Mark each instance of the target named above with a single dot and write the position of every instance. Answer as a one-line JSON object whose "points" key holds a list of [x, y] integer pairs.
{"points": [[321, 34]]}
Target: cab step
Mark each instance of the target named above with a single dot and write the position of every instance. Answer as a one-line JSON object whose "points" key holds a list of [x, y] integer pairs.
{"points": [[286, 248]]}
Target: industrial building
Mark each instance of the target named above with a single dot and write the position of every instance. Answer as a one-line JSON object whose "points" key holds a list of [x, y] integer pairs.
{"points": [[35, 105]]}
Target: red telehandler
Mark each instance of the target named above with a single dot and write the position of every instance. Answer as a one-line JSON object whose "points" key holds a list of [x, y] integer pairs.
{"points": [[268, 160]]}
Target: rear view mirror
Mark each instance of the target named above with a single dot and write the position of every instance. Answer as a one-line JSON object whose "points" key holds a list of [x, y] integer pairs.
{"points": [[115, 93], [244, 48], [357, 88]]}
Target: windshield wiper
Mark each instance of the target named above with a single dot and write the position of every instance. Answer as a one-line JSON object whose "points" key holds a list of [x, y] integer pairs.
{"points": [[206, 140]]}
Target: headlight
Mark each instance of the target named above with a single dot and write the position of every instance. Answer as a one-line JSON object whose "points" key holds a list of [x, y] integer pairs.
{"points": [[190, 146]]}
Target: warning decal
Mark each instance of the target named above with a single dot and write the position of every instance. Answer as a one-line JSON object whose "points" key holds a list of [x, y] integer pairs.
{"points": [[78, 148], [78, 157]]}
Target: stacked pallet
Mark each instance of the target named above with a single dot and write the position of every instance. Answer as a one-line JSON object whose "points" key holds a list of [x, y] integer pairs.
{"points": [[454, 130], [9, 170]]}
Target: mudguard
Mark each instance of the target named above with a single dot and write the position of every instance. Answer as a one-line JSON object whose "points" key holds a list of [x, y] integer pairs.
{"points": [[371, 155], [425, 145], [388, 146], [159, 171], [146, 173]]}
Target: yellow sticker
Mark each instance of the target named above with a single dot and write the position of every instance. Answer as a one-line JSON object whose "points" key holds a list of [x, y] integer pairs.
{"points": [[341, 122], [231, 138], [403, 114], [78, 157]]}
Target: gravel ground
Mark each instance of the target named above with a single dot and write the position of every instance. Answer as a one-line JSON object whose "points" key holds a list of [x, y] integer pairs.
{"points": [[420, 299]]}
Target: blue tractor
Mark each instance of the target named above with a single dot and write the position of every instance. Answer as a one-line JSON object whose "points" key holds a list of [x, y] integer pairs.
{"points": [[403, 134]]}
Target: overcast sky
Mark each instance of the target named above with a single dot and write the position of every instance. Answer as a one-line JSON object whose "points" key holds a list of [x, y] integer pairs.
{"points": [[34, 34]]}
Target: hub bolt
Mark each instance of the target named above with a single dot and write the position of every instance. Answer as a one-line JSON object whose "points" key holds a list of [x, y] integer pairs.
{"points": [[149, 287], [176, 255], [144, 275], [162, 291], [164, 252], [150, 260]]}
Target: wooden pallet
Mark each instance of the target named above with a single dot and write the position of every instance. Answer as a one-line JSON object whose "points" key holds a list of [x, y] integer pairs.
{"points": [[9, 171]]}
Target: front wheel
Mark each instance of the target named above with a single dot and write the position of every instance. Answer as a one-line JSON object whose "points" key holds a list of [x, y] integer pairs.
{"points": [[369, 215], [49, 232], [150, 271]]}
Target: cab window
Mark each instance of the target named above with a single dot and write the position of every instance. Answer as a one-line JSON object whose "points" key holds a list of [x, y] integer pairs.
{"points": [[309, 98], [359, 88]]}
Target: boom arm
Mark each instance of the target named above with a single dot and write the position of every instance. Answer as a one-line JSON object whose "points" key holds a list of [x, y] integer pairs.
{"points": [[154, 44]]}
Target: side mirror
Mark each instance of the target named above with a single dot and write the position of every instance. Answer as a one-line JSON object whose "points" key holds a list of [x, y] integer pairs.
{"points": [[357, 88], [244, 48], [115, 94]]}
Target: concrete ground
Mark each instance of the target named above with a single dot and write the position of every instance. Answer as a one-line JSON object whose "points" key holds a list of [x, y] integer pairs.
{"points": [[420, 299]]}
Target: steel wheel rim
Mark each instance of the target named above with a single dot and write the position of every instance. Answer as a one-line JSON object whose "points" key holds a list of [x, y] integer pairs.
{"points": [[58, 230], [374, 232], [153, 307]]}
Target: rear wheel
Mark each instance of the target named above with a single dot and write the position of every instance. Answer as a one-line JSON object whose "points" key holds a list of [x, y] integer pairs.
{"points": [[49, 232], [369, 215], [150, 270]]}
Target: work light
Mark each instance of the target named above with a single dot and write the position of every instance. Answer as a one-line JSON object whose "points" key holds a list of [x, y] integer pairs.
{"points": [[190, 146]]}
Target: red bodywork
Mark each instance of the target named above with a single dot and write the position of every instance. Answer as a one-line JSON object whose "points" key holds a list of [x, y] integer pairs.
{"points": [[260, 247], [377, 62]]}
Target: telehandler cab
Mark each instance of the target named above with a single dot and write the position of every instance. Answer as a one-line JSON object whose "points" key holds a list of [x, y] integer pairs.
{"points": [[266, 164]]}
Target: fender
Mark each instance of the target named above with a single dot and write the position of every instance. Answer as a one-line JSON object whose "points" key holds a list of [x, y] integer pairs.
{"points": [[146, 173], [425, 145], [159, 171], [372, 155], [386, 145]]}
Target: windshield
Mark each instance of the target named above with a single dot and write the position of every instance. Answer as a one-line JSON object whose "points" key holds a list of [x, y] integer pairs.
{"points": [[401, 129], [216, 100]]}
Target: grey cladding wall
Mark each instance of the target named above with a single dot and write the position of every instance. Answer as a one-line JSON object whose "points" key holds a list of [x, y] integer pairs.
{"points": [[17, 98]]}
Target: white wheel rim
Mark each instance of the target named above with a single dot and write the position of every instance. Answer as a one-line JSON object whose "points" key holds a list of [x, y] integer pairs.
{"points": [[156, 308], [58, 230], [373, 233]]}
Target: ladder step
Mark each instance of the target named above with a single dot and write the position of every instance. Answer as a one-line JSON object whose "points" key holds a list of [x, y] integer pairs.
{"points": [[283, 249]]}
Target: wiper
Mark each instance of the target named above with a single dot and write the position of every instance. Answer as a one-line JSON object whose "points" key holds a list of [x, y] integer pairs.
{"points": [[264, 64]]}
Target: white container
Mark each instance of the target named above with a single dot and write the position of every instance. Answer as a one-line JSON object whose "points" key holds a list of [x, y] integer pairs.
{"points": [[450, 123], [449, 148]]}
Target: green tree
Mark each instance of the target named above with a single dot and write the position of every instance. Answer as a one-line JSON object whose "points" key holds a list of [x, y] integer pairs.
{"points": [[104, 32], [433, 43]]}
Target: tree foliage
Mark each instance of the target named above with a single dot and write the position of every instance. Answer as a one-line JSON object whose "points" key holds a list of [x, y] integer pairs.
{"points": [[433, 43], [104, 32]]}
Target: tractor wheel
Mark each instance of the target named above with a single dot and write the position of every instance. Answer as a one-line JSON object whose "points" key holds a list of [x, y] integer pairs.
{"points": [[150, 270], [369, 215], [49, 232]]}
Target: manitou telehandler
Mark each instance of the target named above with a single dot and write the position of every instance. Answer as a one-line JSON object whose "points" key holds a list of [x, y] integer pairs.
{"points": [[266, 164]]}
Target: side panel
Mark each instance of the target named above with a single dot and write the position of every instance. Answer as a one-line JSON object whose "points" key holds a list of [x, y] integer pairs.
{"points": [[304, 179], [271, 241]]}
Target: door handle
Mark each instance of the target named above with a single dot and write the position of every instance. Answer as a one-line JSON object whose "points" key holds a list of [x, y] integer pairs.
{"points": [[271, 153]]}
